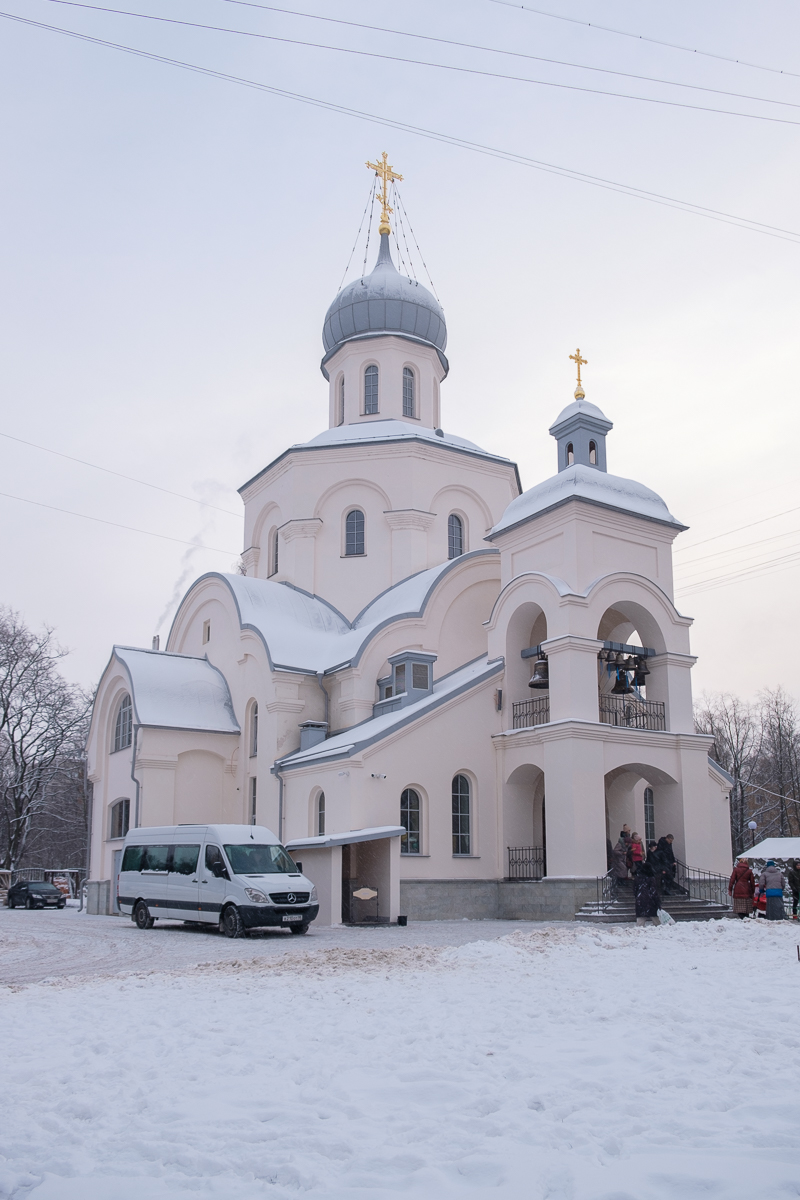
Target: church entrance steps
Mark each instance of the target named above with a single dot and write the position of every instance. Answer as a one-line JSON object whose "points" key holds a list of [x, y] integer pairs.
{"points": [[680, 908]]}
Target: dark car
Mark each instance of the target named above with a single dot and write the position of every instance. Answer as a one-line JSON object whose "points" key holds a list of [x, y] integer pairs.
{"points": [[27, 894]]}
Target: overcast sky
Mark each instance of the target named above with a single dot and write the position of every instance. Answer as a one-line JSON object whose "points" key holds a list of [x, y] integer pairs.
{"points": [[170, 243]]}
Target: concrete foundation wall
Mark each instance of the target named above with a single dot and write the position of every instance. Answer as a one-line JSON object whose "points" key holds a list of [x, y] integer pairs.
{"points": [[494, 899]]}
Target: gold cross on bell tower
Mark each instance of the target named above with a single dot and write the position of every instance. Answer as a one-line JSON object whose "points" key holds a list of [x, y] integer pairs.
{"points": [[387, 174], [579, 362]]}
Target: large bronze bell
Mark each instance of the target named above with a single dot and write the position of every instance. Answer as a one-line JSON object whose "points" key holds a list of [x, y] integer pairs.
{"points": [[622, 687], [641, 670], [540, 678]]}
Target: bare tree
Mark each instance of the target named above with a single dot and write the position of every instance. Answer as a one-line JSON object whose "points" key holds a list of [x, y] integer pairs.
{"points": [[42, 729], [735, 726], [780, 759]]}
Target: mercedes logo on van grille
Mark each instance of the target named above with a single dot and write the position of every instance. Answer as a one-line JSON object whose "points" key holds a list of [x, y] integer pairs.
{"points": [[291, 898]]}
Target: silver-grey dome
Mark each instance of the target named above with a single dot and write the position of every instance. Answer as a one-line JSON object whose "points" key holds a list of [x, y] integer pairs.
{"points": [[385, 302]]}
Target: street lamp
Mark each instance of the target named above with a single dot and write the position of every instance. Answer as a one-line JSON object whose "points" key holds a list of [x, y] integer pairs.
{"points": [[752, 826]]}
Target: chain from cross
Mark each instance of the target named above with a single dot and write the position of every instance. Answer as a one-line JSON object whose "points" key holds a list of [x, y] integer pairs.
{"points": [[579, 362], [387, 175]]}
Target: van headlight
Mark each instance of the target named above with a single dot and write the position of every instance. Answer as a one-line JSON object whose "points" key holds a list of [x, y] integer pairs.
{"points": [[255, 895], [313, 898]]}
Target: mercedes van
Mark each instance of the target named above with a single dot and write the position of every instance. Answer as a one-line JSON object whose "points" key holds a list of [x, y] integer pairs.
{"points": [[237, 877]]}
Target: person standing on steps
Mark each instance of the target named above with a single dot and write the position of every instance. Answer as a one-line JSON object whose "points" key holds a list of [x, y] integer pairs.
{"points": [[660, 868], [668, 854], [742, 888], [636, 851], [771, 883], [793, 878], [619, 867], [648, 894]]}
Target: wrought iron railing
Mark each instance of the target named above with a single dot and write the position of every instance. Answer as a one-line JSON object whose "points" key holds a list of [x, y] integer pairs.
{"points": [[526, 862], [632, 713], [531, 712], [702, 885]]}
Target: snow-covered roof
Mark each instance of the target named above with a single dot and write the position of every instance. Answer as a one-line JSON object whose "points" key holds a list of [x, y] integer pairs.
{"points": [[776, 847], [350, 838], [385, 429], [359, 737], [580, 407], [585, 483], [302, 632], [174, 691]]}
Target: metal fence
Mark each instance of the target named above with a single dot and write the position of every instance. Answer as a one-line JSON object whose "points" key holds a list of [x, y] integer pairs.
{"points": [[703, 885], [526, 862], [632, 713], [531, 712]]}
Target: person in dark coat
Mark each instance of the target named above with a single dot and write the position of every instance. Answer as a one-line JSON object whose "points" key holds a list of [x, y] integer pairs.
{"points": [[771, 883], [619, 867], [742, 888], [648, 894], [660, 867], [793, 879], [668, 854]]}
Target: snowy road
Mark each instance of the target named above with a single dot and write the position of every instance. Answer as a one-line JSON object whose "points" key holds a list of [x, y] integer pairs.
{"points": [[558, 1063]]}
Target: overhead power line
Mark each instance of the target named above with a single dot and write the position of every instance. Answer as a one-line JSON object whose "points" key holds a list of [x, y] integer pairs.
{"points": [[131, 528], [418, 62], [120, 475], [432, 135], [762, 520], [424, 37], [640, 37]]}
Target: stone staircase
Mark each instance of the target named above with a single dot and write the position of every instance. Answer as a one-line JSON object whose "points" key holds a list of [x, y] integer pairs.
{"points": [[680, 908]]}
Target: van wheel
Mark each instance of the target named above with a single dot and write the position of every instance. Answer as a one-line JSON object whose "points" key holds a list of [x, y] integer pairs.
{"points": [[230, 923], [299, 928], [141, 916]]}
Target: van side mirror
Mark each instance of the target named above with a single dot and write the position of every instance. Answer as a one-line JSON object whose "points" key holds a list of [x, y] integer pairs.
{"points": [[218, 870]]}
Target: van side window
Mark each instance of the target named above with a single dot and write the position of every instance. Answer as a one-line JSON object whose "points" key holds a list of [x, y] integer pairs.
{"points": [[155, 858], [215, 863], [132, 858], [184, 859]]}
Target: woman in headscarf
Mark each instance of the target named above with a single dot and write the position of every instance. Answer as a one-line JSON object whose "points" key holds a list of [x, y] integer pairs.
{"points": [[742, 888], [771, 883], [619, 866]]}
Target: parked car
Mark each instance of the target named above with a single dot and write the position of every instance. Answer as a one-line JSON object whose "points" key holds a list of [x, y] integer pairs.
{"points": [[235, 877], [35, 894]]}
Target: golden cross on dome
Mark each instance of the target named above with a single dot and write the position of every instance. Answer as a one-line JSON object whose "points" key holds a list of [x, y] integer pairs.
{"points": [[579, 362], [387, 174]]}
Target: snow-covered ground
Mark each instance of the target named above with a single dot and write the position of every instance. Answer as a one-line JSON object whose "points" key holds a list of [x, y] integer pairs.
{"points": [[452, 1060]]}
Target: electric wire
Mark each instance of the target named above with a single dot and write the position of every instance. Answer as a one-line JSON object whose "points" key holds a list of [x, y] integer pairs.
{"points": [[777, 564], [761, 521], [131, 528], [434, 135], [570, 87], [120, 475], [429, 38], [740, 62]]}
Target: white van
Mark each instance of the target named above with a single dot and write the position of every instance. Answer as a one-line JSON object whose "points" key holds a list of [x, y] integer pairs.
{"points": [[238, 877]]}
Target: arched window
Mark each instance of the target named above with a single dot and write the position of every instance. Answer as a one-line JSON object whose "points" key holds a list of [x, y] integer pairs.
{"points": [[570, 455], [123, 730], [462, 818], [354, 533], [409, 819], [593, 454], [273, 553], [455, 536], [408, 392], [649, 816], [254, 730], [371, 390], [320, 822], [341, 401], [119, 813]]}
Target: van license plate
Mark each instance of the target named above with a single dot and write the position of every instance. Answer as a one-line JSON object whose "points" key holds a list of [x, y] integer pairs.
{"points": [[293, 917]]}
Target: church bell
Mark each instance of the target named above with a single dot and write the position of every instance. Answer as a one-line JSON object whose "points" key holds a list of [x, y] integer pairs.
{"points": [[622, 687], [540, 678], [640, 671]]}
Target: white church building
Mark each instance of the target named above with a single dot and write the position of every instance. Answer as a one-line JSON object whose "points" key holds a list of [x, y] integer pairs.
{"points": [[364, 689]]}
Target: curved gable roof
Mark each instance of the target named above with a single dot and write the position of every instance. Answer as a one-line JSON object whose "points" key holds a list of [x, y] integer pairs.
{"points": [[174, 691]]}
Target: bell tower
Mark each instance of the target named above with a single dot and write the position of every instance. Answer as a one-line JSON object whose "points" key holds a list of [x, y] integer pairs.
{"points": [[581, 429]]}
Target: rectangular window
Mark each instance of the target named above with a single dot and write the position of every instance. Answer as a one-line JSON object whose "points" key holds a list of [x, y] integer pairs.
{"points": [[155, 858], [462, 841], [184, 859], [120, 818], [253, 793], [132, 858], [206, 632], [649, 816], [419, 676], [400, 679]]}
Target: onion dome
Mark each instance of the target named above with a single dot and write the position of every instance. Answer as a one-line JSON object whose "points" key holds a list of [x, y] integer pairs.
{"points": [[385, 302]]}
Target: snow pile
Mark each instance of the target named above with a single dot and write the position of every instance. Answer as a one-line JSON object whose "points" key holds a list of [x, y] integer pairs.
{"points": [[558, 1063]]}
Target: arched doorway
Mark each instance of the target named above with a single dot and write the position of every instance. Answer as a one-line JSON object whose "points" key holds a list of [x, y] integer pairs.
{"points": [[525, 824]]}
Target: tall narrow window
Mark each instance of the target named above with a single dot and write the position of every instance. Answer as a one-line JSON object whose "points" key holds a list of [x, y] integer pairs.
{"points": [[371, 390], [341, 401], [409, 819], [320, 814], [273, 553], [455, 536], [120, 818], [254, 731], [649, 816], [206, 632], [253, 795], [354, 533], [593, 454], [462, 840], [408, 392], [123, 730], [570, 455]]}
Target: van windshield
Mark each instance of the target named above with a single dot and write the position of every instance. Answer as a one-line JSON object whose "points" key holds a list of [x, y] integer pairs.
{"points": [[259, 860]]}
